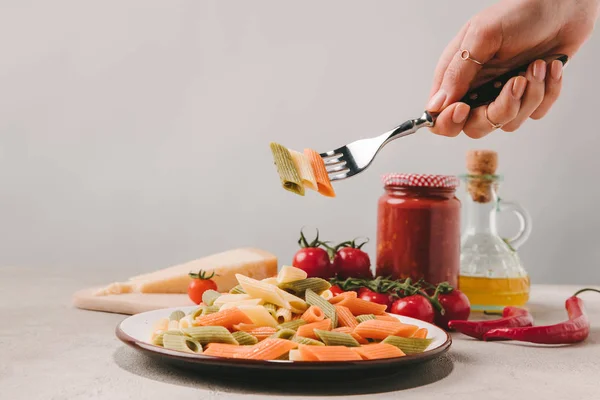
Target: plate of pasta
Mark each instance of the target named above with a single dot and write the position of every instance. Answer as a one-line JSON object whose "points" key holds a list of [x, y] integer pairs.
{"points": [[287, 324]]}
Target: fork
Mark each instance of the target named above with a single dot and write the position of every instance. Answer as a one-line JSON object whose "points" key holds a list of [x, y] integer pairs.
{"points": [[355, 157]]}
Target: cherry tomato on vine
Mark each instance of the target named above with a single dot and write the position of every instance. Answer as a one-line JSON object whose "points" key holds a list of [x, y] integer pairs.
{"points": [[415, 306], [200, 283], [312, 259], [351, 262], [456, 307], [335, 290]]}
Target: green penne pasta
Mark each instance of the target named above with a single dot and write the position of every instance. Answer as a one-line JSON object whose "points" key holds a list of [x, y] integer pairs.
{"points": [[176, 315], [290, 178], [158, 339], [408, 345], [181, 343], [315, 300], [365, 317], [336, 338], [284, 334], [293, 324], [209, 297], [244, 338], [298, 288], [210, 334], [237, 290], [272, 309], [307, 341]]}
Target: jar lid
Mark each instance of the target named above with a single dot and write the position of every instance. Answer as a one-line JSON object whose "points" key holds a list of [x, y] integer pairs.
{"points": [[420, 180]]}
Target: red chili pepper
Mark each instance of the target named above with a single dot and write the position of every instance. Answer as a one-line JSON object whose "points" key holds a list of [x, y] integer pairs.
{"points": [[511, 317], [576, 329]]}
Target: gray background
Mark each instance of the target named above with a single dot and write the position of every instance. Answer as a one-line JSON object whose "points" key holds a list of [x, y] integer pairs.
{"points": [[134, 135]]}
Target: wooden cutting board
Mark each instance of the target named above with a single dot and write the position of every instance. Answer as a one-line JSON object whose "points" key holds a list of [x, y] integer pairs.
{"points": [[128, 303]]}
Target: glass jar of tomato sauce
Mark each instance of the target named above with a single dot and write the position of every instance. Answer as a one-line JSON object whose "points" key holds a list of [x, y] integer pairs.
{"points": [[418, 228]]}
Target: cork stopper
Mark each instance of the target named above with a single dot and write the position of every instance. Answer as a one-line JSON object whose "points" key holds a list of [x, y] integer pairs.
{"points": [[481, 164]]}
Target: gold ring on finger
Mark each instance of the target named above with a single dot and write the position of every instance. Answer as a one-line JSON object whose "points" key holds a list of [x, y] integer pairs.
{"points": [[465, 55], [494, 125]]}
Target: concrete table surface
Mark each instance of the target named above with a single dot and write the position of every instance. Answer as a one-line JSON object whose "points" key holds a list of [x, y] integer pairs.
{"points": [[50, 350]]}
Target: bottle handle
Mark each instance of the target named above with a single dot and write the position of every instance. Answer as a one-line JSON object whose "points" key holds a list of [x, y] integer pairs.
{"points": [[524, 221]]}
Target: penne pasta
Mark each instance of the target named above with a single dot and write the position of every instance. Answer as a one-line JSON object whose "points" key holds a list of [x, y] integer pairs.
{"points": [[295, 355], [270, 349], [181, 343], [176, 315], [364, 317], [230, 298], [290, 274], [226, 350], [308, 329], [293, 324], [210, 334], [304, 168], [297, 305], [298, 288], [336, 338], [327, 295], [260, 332], [283, 315], [244, 338], [315, 300], [240, 304], [272, 309], [345, 317], [318, 165], [226, 318], [313, 314], [307, 341], [288, 174], [378, 351], [271, 281], [408, 345], [374, 329], [237, 290], [261, 290], [284, 334], [343, 296], [328, 353], [259, 315], [420, 334], [210, 296], [359, 306]]}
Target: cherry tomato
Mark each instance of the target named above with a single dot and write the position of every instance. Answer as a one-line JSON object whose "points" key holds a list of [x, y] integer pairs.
{"points": [[456, 306], [314, 261], [335, 290], [374, 297], [351, 262], [200, 283], [415, 306]]}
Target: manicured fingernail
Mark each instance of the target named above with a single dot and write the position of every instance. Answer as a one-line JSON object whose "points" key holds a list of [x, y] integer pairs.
{"points": [[460, 114], [539, 70], [436, 102], [556, 69], [518, 87]]}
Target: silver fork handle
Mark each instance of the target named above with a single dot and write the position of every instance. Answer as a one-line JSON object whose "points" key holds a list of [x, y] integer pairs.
{"points": [[409, 127]]}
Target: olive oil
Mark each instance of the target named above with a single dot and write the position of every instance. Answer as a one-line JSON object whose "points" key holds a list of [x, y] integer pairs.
{"points": [[493, 294]]}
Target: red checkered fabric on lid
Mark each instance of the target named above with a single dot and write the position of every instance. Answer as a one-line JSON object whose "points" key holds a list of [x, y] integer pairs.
{"points": [[420, 180]]}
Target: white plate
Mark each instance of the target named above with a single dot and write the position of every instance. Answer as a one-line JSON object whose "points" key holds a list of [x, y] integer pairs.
{"points": [[136, 330]]}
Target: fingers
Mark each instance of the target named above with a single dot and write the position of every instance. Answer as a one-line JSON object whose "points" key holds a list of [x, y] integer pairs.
{"points": [[451, 49], [451, 121], [482, 39], [503, 110], [552, 89], [533, 97]]}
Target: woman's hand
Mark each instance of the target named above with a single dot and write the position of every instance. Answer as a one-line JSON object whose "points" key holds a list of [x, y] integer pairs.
{"points": [[503, 37]]}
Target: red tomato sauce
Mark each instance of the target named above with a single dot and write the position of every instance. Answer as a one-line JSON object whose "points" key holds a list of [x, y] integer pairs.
{"points": [[418, 234]]}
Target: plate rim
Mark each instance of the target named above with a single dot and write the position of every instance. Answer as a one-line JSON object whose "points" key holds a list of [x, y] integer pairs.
{"points": [[152, 349]]}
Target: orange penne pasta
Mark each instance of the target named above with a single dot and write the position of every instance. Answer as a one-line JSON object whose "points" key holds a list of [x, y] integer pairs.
{"points": [[385, 317], [345, 317], [359, 306], [318, 166], [343, 329], [308, 329], [358, 338], [313, 314], [329, 353], [225, 350], [377, 351], [421, 333], [269, 349], [262, 332], [375, 329], [350, 331], [227, 318], [342, 296]]}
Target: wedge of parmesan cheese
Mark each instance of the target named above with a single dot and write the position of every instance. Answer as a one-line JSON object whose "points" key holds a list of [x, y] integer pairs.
{"points": [[254, 263]]}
